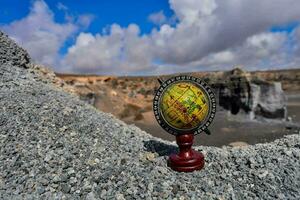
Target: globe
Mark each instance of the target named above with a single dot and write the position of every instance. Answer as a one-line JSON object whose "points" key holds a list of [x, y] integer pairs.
{"points": [[184, 105]]}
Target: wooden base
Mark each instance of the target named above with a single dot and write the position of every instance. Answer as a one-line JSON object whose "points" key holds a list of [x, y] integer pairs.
{"points": [[187, 160]]}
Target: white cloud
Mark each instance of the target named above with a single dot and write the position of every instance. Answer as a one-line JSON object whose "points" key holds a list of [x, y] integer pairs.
{"points": [[61, 6], [120, 51], [158, 18], [211, 26], [85, 20], [39, 34], [191, 11], [208, 34], [258, 51], [296, 38], [265, 44]]}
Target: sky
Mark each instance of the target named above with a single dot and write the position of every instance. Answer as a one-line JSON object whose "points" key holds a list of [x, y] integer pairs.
{"points": [[152, 37]]}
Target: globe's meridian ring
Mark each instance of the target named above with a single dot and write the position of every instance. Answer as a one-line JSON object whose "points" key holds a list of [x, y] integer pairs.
{"points": [[198, 83]]}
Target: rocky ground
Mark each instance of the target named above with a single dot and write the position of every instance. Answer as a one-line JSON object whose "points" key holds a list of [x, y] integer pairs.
{"points": [[54, 146]]}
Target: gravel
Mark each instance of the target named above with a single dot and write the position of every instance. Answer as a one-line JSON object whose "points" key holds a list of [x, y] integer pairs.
{"points": [[54, 146]]}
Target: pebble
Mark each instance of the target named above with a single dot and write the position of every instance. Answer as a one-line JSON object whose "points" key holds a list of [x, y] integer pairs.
{"points": [[65, 188]]}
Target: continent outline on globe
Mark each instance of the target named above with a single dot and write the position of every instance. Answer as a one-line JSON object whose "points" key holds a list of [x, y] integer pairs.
{"points": [[197, 124]]}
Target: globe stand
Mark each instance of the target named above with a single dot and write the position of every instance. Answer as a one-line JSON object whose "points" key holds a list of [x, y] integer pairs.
{"points": [[187, 160]]}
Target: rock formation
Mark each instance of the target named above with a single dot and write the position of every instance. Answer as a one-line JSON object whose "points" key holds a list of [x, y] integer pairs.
{"points": [[239, 91], [54, 146]]}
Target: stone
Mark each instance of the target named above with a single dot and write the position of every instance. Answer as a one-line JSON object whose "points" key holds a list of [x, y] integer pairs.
{"points": [[238, 144], [120, 197], [40, 190], [150, 156], [91, 196], [270, 102], [48, 157], [256, 97], [56, 179], [263, 174], [65, 188]]}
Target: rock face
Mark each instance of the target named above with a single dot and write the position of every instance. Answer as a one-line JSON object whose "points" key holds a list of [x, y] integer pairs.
{"points": [[269, 100], [242, 92], [54, 146]]}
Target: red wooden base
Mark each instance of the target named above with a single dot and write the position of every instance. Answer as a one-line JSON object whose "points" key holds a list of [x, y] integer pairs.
{"points": [[187, 160]]}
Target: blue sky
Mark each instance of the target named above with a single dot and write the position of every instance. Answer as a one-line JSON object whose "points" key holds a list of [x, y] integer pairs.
{"points": [[105, 12], [145, 37]]}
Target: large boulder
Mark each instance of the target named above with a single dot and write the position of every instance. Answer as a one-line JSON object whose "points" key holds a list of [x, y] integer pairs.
{"points": [[240, 92], [268, 100]]}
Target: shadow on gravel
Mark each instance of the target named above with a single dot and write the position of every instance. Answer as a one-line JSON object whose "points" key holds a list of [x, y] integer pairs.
{"points": [[160, 148]]}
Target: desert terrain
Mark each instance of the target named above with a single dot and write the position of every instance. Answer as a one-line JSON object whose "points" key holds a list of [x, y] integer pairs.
{"points": [[130, 99]]}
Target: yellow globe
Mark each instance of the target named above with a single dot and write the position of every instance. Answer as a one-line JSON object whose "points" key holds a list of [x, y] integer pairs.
{"points": [[184, 105]]}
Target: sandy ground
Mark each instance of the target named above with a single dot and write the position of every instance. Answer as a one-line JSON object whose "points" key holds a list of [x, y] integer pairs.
{"points": [[233, 130]]}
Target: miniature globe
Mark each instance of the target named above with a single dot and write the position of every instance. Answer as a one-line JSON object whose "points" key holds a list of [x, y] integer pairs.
{"points": [[184, 105]]}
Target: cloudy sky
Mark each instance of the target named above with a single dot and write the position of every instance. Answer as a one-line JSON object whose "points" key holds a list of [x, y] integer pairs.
{"points": [[146, 37]]}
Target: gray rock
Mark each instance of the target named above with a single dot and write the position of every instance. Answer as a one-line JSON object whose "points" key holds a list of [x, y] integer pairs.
{"points": [[40, 190], [241, 93], [91, 196], [269, 100], [65, 188]]}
